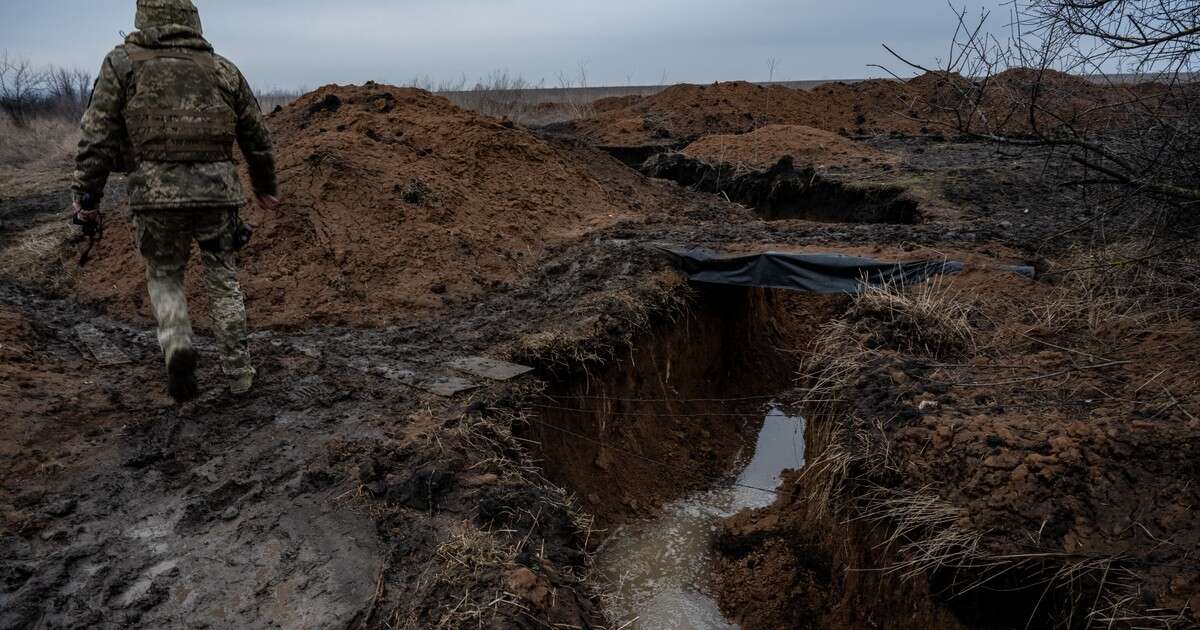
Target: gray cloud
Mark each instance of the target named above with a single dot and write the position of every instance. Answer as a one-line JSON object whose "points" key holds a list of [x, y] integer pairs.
{"points": [[293, 43]]}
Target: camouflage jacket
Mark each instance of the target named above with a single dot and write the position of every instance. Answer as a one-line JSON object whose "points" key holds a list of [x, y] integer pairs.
{"points": [[105, 146]]}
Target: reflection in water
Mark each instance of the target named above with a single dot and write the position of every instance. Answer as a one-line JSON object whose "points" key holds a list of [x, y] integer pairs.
{"points": [[661, 569]]}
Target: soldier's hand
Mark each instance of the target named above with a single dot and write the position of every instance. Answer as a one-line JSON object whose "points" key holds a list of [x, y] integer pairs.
{"points": [[267, 202], [82, 217]]}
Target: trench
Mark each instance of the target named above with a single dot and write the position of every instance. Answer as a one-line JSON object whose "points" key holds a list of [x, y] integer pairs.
{"points": [[683, 431], [635, 156], [660, 570], [784, 192]]}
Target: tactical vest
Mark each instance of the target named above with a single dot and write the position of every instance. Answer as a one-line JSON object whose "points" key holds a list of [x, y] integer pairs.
{"points": [[176, 111]]}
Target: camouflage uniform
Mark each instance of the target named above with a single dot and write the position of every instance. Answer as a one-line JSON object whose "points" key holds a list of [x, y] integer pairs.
{"points": [[168, 110]]}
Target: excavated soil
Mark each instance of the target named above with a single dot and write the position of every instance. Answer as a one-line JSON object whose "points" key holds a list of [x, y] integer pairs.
{"points": [[794, 172], [396, 203], [764, 147], [784, 191], [689, 112], [414, 233], [933, 103]]}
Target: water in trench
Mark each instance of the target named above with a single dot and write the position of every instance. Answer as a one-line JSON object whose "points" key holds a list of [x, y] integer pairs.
{"points": [[661, 569]]}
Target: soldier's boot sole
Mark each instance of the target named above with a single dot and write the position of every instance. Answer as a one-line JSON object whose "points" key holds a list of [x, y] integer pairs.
{"points": [[181, 375]]}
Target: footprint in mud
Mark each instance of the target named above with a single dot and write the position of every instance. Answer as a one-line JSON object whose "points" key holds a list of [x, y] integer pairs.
{"points": [[147, 590], [200, 513], [314, 392]]}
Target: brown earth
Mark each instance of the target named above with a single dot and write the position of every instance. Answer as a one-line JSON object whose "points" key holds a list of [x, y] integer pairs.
{"points": [[796, 172], [395, 202], [335, 495], [690, 112], [613, 103], [764, 147], [934, 103], [1051, 452]]}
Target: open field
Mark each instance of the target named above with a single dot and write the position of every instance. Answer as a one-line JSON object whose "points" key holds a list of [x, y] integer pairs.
{"points": [[1013, 444]]}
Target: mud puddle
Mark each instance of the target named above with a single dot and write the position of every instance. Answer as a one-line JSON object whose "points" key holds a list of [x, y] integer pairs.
{"points": [[661, 570]]}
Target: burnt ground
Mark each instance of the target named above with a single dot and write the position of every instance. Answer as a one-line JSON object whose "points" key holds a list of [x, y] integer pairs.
{"points": [[335, 496]]}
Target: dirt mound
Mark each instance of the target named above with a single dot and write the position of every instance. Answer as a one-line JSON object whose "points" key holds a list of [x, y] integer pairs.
{"points": [[689, 112], [395, 201], [764, 147], [1002, 102], [932, 103], [612, 103]]}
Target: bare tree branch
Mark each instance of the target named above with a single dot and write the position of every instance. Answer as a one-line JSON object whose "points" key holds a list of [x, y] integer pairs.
{"points": [[1052, 83]]}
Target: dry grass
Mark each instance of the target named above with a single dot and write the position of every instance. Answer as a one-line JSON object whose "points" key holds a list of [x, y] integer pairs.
{"points": [[603, 324], [926, 530], [470, 559], [473, 550], [466, 557], [48, 141], [44, 256], [1113, 288], [929, 319]]}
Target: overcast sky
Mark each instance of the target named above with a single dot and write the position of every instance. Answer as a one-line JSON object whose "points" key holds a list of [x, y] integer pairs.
{"points": [[307, 43]]}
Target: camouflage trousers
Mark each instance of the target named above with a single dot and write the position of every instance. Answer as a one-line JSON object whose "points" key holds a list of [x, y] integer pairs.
{"points": [[165, 242]]}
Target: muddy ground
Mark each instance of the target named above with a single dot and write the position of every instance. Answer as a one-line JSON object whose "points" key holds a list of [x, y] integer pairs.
{"points": [[337, 495]]}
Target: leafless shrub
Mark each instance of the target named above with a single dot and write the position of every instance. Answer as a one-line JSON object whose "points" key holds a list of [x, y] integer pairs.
{"points": [[68, 92], [1157, 34], [268, 100], [505, 95], [21, 86], [501, 94], [28, 93]]}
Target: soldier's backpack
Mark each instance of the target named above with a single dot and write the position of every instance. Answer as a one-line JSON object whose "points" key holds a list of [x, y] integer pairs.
{"points": [[177, 111]]}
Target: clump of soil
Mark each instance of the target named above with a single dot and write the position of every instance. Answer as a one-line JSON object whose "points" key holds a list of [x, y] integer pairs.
{"points": [[764, 147], [394, 201]]}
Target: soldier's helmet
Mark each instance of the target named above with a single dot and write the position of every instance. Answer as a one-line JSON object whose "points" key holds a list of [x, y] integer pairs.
{"points": [[160, 13]]}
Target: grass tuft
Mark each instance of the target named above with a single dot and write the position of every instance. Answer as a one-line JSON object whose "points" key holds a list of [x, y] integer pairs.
{"points": [[929, 318]]}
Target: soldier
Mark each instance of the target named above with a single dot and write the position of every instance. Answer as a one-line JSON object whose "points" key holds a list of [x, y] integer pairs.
{"points": [[168, 110]]}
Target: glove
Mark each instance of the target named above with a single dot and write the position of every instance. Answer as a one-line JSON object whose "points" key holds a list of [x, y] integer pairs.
{"points": [[267, 202], [91, 221]]}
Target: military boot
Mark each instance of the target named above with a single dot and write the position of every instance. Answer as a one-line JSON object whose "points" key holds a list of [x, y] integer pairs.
{"points": [[241, 384], [181, 374]]}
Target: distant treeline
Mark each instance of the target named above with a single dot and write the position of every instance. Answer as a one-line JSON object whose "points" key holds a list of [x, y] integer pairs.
{"points": [[28, 92]]}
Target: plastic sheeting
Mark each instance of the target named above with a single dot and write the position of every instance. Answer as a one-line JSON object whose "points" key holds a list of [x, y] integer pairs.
{"points": [[810, 273]]}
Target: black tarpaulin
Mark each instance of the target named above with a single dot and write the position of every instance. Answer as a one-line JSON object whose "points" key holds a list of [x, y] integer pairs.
{"points": [[811, 273]]}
